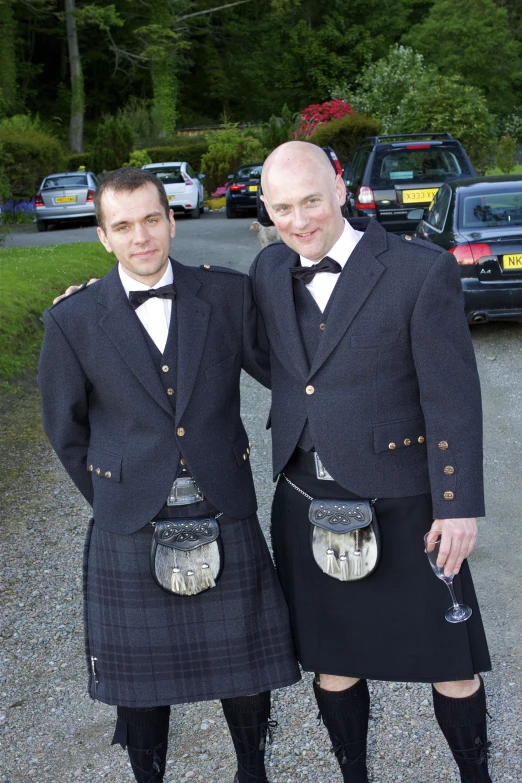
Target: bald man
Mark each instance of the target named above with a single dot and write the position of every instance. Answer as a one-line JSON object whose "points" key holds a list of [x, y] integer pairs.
{"points": [[375, 395]]}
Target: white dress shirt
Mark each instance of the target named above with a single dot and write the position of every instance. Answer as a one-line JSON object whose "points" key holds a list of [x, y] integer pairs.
{"points": [[155, 313], [324, 283]]}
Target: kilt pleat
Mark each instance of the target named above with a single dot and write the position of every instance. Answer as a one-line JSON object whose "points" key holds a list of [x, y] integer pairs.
{"points": [[153, 648]]}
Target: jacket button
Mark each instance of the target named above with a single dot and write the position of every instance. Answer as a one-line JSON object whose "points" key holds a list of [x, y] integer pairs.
{"points": [[448, 496], [244, 456], [206, 266], [170, 392], [392, 446], [407, 236], [108, 474], [449, 470], [98, 471], [249, 445], [183, 461], [443, 445], [90, 468], [420, 439], [165, 368], [322, 326], [407, 442], [310, 389], [180, 432]]}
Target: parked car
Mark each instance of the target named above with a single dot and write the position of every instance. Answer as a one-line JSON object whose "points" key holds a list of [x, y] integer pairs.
{"points": [[66, 196], [242, 188], [479, 220], [262, 214], [182, 186], [390, 175]]}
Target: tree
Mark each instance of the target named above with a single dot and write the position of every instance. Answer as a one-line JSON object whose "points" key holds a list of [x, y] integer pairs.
{"points": [[472, 38], [77, 87], [228, 149], [505, 155], [113, 144]]}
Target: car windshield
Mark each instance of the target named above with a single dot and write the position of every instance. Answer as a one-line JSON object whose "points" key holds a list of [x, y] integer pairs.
{"points": [[403, 166], [491, 210], [76, 181], [248, 172], [169, 175]]}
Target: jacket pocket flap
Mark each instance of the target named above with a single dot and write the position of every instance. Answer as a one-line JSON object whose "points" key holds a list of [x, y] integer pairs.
{"points": [[241, 449], [104, 464], [401, 434], [374, 340], [222, 366]]}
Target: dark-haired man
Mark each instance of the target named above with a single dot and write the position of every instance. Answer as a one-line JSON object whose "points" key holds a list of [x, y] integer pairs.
{"points": [[139, 377]]}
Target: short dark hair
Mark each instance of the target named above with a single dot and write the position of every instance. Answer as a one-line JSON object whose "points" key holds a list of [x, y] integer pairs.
{"points": [[127, 180]]}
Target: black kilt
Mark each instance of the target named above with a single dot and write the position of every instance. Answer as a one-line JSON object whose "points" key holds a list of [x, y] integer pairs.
{"points": [[153, 648], [389, 626]]}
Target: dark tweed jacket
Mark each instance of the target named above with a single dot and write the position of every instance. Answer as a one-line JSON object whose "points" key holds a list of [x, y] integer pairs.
{"points": [[393, 396], [104, 403]]}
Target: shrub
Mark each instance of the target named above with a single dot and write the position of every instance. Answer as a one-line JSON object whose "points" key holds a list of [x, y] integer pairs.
{"points": [[505, 155], [279, 130], [73, 162], [33, 154], [345, 135], [192, 153], [137, 159], [318, 113], [228, 149], [112, 146]]}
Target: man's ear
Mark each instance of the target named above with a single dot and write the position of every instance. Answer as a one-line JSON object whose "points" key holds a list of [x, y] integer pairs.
{"points": [[103, 239], [340, 189], [172, 223], [265, 202]]}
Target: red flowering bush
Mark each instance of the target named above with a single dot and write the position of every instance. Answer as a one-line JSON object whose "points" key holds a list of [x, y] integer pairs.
{"points": [[320, 113]]}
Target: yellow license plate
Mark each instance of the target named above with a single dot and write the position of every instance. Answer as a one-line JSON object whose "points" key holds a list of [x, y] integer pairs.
{"points": [[419, 195], [252, 188], [65, 199], [513, 261]]}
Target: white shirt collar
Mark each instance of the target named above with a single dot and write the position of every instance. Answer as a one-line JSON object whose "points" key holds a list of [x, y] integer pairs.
{"points": [[130, 284], [342, 249]]}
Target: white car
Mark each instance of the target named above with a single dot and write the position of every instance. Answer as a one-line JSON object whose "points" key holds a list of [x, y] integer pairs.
{"points": [[182, 186]]}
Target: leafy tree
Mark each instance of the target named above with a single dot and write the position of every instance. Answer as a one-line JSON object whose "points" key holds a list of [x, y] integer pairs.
{"points": [[279, 131], [5, 160], [7, 52], [505, 155], [112, 146], [345, 134], [228, 149], [137, 159], [472, 38], [29, 154]]}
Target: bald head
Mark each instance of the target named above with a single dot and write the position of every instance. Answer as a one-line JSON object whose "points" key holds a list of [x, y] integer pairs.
{"points": [[303, 196]]}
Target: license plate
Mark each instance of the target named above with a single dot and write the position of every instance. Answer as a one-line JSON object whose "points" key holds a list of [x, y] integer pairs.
{"points": [[512, 261], [252, 188], [64, 199], [419, 195]]}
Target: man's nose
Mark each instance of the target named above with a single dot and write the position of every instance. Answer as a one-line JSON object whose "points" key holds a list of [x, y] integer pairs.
{"points": [[300, 218], [141, 234]]}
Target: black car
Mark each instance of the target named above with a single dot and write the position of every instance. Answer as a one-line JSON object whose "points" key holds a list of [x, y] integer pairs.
{"points": [[263, 216], [389, 176], [480, 221], [241, 195]]}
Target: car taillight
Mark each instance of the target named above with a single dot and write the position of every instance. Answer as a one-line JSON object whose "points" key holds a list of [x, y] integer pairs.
{"points": [[364, 198], [38, 201], [418, 146], [188, 182], [235, 188], [470, 252], [337, 165], [90, 197]]}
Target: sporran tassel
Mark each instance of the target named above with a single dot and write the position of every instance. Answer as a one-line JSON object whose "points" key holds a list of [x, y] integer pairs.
{"points": [[206, 579], [357, 555], [177, 581], [331, 562], [191, 583], [344, 568]]}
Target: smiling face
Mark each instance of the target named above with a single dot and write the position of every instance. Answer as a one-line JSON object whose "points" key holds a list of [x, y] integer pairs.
{"points": [[303, 197], [138, 232]]}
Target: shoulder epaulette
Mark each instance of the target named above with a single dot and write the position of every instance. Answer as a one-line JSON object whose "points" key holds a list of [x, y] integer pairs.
{"points": [[65, 298], [226, 269], [422, 243]]}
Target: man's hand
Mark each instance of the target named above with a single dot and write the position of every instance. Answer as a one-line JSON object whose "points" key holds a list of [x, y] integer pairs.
{"points": [[458, 539], [72, 289]]}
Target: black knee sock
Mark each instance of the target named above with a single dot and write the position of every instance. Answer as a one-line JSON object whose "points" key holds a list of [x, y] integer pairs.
{"points": [[463, 723], [345, 715], [144, 732], [248, 722]]}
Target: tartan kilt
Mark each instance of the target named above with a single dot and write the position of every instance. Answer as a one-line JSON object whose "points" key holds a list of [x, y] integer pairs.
{"points": [[153, 648]]}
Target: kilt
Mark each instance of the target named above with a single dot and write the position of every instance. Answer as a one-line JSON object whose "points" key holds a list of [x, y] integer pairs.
{"points": [[153, 648], [389, 626]]}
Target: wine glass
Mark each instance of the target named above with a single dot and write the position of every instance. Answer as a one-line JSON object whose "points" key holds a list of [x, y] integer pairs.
{"points": [[458, 612]]}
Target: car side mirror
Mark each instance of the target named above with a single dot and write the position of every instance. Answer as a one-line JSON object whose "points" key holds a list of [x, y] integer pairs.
{"points": [[230, 176], [201, 176], [415, 214]]}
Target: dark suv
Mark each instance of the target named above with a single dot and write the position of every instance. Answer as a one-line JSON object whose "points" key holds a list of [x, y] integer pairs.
{"points": [[392, 175]]}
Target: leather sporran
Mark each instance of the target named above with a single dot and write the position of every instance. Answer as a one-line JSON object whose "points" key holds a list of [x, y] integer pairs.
{"points": [[345, 538], [186, 556]]}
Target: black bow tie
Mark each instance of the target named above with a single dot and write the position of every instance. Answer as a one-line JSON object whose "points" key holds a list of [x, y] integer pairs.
{"points": [[307, 273], [137, 298]]}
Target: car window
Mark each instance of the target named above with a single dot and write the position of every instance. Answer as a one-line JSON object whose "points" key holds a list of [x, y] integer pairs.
{"points": [[360, 165], [402, 166], [439, 208], [169, 175], [248, 172], [78, 180], [190, 171], [491, 210]]}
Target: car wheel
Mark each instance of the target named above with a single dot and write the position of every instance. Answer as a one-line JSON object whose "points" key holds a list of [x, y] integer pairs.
{"points": [[196, 212], [231, 212], [41, 225]]}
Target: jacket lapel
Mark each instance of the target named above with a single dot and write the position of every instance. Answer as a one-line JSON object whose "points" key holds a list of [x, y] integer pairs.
{"points": [[288, 343], [122, 327], [193, 318], [359, 276]]}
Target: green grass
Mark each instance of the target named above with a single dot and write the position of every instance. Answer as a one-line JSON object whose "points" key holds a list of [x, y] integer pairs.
{"points": [[30, 278], [496, 171]]}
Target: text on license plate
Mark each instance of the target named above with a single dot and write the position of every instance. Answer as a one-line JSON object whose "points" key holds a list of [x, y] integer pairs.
{"points": [[65, 199], [512, 260], [418, 195], [252, 188]]}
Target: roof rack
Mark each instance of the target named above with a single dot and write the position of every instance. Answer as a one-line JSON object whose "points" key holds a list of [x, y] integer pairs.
{"points": [[427, 135]]}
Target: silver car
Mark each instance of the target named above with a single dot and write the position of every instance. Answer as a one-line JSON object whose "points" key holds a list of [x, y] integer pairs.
{"points": [[182, 186], [66, 196]]}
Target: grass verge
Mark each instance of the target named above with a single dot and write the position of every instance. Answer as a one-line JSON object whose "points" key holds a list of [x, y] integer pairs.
{"points": [[30, 278], [495, 172]]}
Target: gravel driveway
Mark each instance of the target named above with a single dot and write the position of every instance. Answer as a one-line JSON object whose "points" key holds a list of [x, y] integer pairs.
{"points": [[51, 732]]}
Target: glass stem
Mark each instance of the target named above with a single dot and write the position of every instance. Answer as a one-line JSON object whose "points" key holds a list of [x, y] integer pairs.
{"points": [[456, 604]]}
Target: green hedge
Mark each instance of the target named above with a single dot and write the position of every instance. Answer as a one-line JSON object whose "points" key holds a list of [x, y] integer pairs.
{"points": [[192, 153], [73, 162], [345, 134], [33, 154]]}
